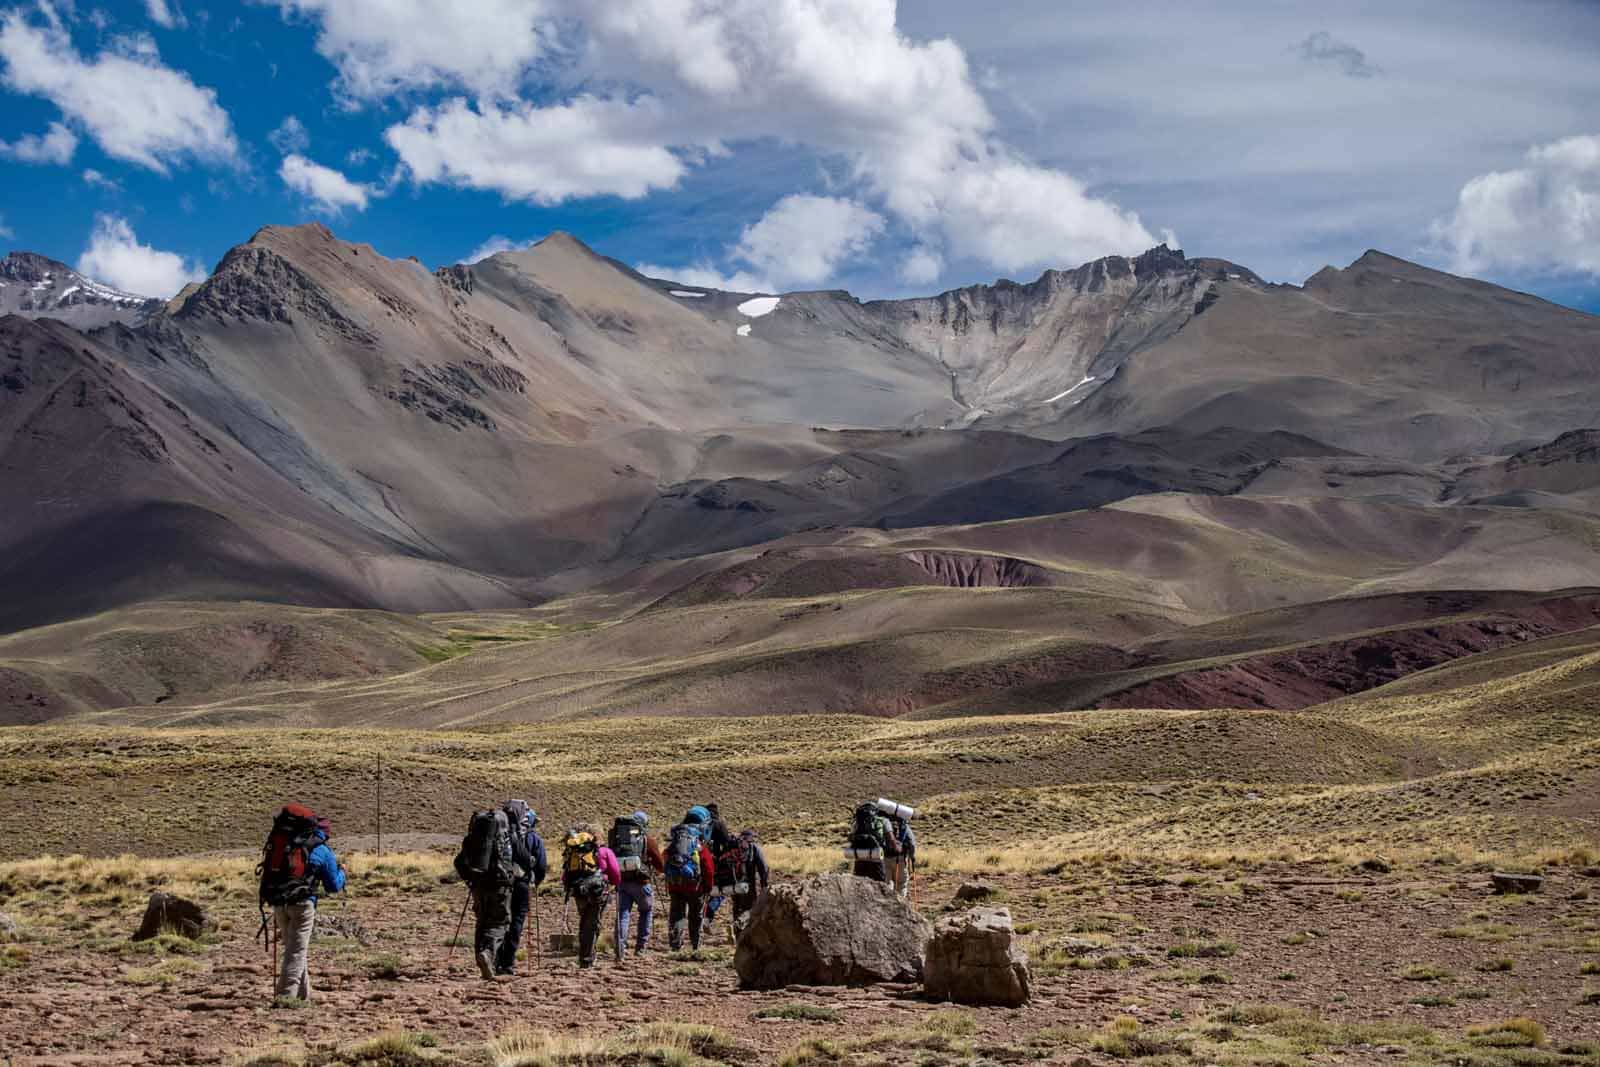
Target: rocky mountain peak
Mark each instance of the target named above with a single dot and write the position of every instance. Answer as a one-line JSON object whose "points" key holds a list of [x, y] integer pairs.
{"points": [[37, 286]]}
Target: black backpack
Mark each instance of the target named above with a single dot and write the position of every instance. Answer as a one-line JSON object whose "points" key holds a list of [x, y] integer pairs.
{"points": [[866, 831], [485, 855], [285, 870], [683, 857], [626, 842]]}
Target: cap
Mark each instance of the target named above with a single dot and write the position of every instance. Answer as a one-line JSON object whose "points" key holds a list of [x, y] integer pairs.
{"points": [[641, 818]]}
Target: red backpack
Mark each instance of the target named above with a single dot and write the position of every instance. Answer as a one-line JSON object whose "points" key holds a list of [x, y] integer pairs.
{"points": [[285, 869]]}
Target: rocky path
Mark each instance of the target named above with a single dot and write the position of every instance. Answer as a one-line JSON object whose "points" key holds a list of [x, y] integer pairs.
{"points": [[1403, 953]]}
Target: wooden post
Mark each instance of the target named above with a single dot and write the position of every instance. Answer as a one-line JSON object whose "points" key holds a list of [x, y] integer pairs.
{"points": [[380, 805]]}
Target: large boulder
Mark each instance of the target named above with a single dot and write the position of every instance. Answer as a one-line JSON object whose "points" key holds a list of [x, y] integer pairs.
{"points": [[972, 959], [167, 914], [832, 929]]}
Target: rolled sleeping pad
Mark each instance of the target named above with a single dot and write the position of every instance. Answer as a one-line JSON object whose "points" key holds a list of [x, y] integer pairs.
{"points": [[898, 811], [851, 853]]}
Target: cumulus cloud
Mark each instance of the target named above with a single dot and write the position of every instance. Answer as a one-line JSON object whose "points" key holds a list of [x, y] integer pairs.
{"points": [[381, 47], [1324, 48], [134, 107], [164, 14], [1541, 217], [55, 145], [497, 243], [704, 275], [921, 266], [587, 147], [802, 239], [327, 189], [639, 92], [290, 137], [116, 257], [96, 180]]}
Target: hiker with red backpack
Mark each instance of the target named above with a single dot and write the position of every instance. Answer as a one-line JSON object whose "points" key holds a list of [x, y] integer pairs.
{"points": [[690, 876], [639, 859], [741, 877], [589, 872], [295, 863]]}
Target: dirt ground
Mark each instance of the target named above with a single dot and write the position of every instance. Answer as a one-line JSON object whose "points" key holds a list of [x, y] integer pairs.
{"points": [[1404, 960]]}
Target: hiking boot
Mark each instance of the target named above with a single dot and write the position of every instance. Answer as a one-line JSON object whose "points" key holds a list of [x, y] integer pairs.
{"points": [[486, 965], [641, 950]]}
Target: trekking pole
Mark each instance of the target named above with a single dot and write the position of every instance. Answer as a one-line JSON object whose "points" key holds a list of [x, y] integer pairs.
{"points": [[538, 935], [459, 924]]}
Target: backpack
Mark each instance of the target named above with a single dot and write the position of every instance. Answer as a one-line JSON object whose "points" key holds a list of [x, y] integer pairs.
{"points": [[485, 855], [868, 841], [683, 857], [285, 870], [737, 861], [626, 840], [580, 865]]}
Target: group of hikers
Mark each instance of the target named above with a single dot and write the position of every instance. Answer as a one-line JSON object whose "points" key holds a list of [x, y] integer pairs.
{"points": [[503, 860]]}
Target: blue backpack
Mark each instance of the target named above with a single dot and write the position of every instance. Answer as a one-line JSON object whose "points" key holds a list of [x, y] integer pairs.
{"points": [[683, 857]]}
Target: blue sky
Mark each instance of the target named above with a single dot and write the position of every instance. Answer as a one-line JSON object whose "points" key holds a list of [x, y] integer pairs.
{"points": [[768, 144]]}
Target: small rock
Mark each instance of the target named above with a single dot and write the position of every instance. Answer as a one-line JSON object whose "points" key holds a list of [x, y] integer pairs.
{"points": [[972, 959], [1509, 882], [973, 891], [8, 927], [166, 913]]}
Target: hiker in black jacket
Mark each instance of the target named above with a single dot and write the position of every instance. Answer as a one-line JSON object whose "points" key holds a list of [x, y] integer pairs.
{"points": [[492, 898], [524, 824], [750, 878]]}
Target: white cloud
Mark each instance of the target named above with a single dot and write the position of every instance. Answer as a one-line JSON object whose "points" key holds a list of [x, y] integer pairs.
{"points": [[6, 232], [638, 92], [95, 179], [1541, 217], [55, 145], [921, 266], [358, 157], [802, 239], [135, 108], [587, 147], [705, 276], [497, 243], [116, 257], [164, 14], [326, 188], [290, 137], [383, 47]]}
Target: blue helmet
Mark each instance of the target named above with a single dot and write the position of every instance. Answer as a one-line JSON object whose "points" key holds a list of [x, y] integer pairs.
{"points": [[642, 819], [698, 814]]}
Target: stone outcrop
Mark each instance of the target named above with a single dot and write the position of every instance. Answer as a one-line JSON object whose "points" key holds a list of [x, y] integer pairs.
{"points": [[973, 959], [832, 929], [1511, 882], [167, 914]]}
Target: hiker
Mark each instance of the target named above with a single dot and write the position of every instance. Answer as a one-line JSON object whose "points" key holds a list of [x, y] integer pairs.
{"points": [[742, 877], [588, 873], [691, 877], [872, 843], [294, 864], [491, 861], [905, 864], [524, 823], [639, 860], [721, 837]]}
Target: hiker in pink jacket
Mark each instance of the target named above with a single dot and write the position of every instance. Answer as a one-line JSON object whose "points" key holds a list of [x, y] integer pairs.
{"points": [[589, 871]]}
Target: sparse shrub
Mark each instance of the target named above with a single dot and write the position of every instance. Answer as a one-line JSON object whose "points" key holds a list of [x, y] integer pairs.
{"points": [[1589, 968], [1213, 950], [811, 1013], [1423, 972], [1499, 966], [1294, 940], [1508, 1033]]}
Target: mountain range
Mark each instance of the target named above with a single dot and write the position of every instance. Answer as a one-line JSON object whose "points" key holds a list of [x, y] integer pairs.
{"points": [[318, 424]]}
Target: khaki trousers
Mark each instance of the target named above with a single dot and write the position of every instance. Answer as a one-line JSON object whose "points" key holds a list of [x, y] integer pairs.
{"points": [[294, 924]]}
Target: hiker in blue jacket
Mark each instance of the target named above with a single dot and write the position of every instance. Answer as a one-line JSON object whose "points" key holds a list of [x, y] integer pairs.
{"points": [[296, 921], [525, 822]]}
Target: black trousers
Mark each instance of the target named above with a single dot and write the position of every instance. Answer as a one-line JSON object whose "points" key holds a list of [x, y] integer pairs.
{"points": [[687, 913], [493, 903], [590, 909], [521, 896], [873, 869]]}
